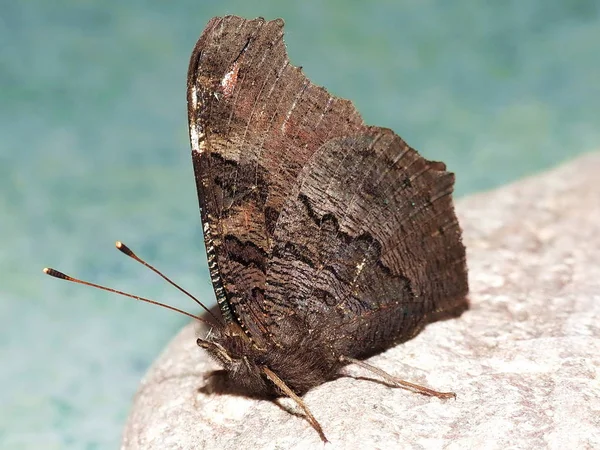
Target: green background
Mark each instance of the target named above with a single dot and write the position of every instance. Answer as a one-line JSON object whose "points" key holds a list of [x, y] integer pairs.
{"points": [[94, 148]]}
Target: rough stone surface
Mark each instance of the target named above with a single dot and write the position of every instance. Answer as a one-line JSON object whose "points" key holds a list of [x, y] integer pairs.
{"points": [[524, 360]]}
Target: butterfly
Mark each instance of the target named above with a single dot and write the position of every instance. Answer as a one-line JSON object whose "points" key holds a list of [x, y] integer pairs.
{"points": [[327, 240]]}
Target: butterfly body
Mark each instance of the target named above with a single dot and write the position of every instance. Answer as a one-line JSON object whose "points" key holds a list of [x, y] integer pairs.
{"points": [[303, 365]]}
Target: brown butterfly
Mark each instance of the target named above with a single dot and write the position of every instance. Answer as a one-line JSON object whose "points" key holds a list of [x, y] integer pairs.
{"points": [[327, 240]]}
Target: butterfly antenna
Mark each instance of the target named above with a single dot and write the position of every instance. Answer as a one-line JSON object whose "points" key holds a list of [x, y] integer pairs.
{"points": [[127, 251], [56, 274]]}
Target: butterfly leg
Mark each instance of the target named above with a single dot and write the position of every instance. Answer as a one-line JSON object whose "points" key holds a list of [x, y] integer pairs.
{"points": [[290, 393], [397, 381]]}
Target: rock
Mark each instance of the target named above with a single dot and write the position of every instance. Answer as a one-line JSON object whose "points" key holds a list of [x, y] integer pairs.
{"points": [[524, 361]]}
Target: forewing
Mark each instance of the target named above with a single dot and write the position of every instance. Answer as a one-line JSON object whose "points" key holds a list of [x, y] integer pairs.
{"points": [[368, 248], [255, 120]]}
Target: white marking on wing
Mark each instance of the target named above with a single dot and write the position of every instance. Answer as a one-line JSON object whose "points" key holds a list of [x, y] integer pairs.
{"points": [[229, 80], [359, 268], [196, 138], [194, 97]]}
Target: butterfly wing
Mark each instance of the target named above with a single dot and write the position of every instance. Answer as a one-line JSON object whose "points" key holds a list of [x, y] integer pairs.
{"points": [[255, 120], [367, 249]]}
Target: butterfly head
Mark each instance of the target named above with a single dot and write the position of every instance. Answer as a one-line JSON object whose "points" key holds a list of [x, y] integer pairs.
{"points": [[241, 359]]}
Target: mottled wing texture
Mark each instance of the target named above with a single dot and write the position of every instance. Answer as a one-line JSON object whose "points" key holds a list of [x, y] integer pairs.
{"points": [[310, 217], [368, 249], [255, 122]]}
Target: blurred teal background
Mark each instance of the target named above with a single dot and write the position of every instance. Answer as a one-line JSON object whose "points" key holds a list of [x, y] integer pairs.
{"points": [[94, 148]]}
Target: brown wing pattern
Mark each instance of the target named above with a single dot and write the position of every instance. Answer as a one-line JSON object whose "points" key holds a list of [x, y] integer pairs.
{"points": [[369, 245], [246, 103]]}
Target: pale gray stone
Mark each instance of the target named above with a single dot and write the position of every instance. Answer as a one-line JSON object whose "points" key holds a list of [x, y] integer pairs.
{"points": [[524, 361]]}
